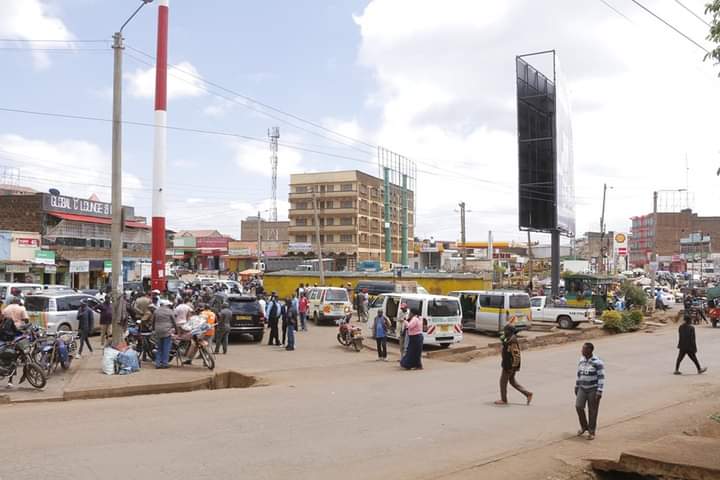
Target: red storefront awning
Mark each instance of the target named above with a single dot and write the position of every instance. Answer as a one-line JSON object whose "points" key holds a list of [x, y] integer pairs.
{"points": [[90, 219]]}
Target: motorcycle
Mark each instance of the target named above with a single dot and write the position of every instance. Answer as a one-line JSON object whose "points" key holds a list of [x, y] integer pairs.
{"points": [[53, 349], [17, 353], [193, 334], [349, 335]]}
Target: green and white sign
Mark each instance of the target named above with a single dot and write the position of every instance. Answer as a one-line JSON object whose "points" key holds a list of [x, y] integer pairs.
{"points": [[107, 266], [46, 257]]}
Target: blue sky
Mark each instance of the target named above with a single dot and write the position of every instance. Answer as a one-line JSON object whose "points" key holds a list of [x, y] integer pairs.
{"points": [[430, 80]]}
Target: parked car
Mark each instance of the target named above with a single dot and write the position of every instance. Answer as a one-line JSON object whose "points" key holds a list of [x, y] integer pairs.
{"points": [[247, 317], [328, 304], [490, 311], [543, 310], [25, 288], [57, 310], [175, 285], [133, 287]]}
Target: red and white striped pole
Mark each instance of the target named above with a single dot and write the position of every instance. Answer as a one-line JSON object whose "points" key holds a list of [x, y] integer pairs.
{"points": [[160, 154]]}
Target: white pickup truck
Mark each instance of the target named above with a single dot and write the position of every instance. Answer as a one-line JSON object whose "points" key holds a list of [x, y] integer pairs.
{"points": [[566, 317]]}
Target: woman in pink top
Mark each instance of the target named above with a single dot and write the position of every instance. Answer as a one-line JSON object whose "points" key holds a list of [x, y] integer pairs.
{"points": [[414, 330]]}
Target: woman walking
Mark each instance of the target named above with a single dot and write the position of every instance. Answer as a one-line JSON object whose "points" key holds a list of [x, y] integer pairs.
{"points": [[687, 345], [413, 355]]}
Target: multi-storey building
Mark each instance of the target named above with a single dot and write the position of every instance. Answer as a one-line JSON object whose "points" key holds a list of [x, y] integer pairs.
{"points": [[350, 208], [666, 229]]}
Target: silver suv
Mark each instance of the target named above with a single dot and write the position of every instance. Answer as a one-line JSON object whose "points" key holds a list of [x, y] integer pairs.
{"points": [[57, 310]]}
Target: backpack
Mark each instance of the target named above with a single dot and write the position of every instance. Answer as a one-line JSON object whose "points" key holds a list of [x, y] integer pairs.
{"points": [[7, 330]]}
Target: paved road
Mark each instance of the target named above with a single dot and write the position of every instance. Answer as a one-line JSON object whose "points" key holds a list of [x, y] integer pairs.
{"points": [[360, 420]]}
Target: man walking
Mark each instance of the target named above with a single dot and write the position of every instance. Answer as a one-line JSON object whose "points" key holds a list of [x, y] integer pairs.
{"points": [[303, 309], [380, 327], [589, 387], [511, 359], [291, 328], [85, 320], [273, 314], [687, 345], [223, 328]]}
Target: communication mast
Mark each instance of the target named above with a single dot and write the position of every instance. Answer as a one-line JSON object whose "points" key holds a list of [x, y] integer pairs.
{"points": [[274, 134]]}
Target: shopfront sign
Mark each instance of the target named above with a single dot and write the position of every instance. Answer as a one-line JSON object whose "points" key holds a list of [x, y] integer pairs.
{"points": [[239, 252], [107, 266], [28, 242], [300, 247], [50, 269], [79, 206], [219, 243], [79, 266], [46, 257], [17, 268]]}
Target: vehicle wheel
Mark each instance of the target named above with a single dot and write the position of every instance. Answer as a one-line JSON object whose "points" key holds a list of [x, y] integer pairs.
{"points": [[66, 364], [340, 340], [714, 323], [44, 363], [444, 345], [65, 327], [35, 376], [207, 357], [566, 322], [357, 344], [257, 337], [316, 319]]}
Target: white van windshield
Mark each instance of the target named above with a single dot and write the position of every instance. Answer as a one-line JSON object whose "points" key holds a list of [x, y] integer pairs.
{"points": [[443, 308], [519, 301], [336, 296]]}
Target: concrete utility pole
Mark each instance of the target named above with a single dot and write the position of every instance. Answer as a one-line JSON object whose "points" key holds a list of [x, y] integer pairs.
{"points": [[530, 260], [602, 231], [653, 259], [259, 242], [317, 238], [116, 227], [462, 236], [274, 134]]}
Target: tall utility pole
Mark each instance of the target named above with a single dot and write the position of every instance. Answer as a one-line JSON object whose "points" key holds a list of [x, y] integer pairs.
{"points": [[116, 228], [462, 236], [160, 156], [530, 262], [386, 200], [259, 242], [602, 231], [274, 134], [653, 268], [317, 238]]}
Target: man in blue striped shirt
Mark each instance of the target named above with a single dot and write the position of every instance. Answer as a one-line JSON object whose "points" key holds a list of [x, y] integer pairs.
{"points": [[589, 387]]}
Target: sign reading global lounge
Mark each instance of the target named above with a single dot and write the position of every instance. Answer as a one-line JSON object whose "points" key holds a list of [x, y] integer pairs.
{"points": [[80, 206]]}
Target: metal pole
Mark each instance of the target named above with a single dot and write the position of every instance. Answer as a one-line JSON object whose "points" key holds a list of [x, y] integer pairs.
{"points": [[462, 236], [160, 154], [116, 201], [259, 242], [404, 241], [530, 260], [317, 239], [555, 261], [653, 259], [388, 232], [602, 231]]}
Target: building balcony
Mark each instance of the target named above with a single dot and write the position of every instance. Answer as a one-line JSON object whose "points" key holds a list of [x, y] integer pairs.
{"points": [[300, 196], [295, 229]]}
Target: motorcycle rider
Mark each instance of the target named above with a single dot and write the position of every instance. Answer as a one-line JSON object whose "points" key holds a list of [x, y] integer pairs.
{"points": [[142, 307]]}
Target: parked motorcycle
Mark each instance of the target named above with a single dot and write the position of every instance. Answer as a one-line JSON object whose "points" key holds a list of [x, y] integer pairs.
{"points": [[53, 349], [15, 355], [349, 335], [194, 332]]}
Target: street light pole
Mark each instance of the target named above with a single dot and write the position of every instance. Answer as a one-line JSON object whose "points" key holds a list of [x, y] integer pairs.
{"points": [[116, 229]]}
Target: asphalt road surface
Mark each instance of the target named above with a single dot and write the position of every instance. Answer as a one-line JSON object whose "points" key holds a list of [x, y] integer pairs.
{"points": [[365, 419]]}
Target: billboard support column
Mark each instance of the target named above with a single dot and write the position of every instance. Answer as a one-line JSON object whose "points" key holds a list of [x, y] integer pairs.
{"points": [[388, 231], [555, 261], [404, 244]]}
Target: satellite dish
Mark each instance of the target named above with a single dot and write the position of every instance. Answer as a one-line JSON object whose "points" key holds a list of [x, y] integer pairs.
{"points": [[54, 191]]}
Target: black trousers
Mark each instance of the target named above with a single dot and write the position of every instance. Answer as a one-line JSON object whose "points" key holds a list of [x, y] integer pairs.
{"points": [[508, 376], [221, 339], [84, 340], [681, 356], [381, 347], [274, 332], [284, 331]]}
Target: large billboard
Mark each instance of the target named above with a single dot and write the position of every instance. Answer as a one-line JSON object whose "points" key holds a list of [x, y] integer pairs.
{"points": [[545, 157]]}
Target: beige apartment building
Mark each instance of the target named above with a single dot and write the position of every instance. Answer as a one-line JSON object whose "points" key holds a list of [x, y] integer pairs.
{"points": [[351, 210]]}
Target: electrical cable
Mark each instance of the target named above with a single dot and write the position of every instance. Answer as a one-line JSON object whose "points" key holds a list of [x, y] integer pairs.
{"points": [[693, 13], [636, 2]]}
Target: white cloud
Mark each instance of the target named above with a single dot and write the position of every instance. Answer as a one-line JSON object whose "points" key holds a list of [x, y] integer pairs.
{"points": [[446, 92], [254, 158], [31, 20], [75, 167], [183, 81]]}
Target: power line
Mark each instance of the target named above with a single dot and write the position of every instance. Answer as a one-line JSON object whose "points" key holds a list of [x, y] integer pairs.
{"points": [[636, 2], [693, 13], [611, 7], [55, 40]]}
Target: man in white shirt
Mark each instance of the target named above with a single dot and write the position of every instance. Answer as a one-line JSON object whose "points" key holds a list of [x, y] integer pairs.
{"points": [[183, 313]]}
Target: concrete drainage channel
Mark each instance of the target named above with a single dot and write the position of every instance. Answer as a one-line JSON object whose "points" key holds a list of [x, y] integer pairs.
{"points": [[216, 381]]}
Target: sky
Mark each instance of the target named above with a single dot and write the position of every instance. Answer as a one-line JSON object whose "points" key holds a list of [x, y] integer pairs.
{"points": [[433, 81]]}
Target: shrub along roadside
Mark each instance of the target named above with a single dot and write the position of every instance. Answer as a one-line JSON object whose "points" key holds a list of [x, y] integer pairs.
{"points": [[620, 322]]}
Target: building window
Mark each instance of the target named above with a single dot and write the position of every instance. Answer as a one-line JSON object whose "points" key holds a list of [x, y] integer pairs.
{"points": [[346, 238], [301, 189], [301, 221], [331, 188], [301, 205], [346, 187], [327, 238], [301, 238], [327, 204], [346, 221], [329, 221], [346, 204]]}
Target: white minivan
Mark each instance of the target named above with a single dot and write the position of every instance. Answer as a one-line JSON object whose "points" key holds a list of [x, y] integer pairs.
{"points": [[328, 304], [489, 311], [441, 316]]}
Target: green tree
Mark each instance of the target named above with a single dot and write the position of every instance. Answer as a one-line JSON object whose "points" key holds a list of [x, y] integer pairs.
{"points": [[713, 8]]}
